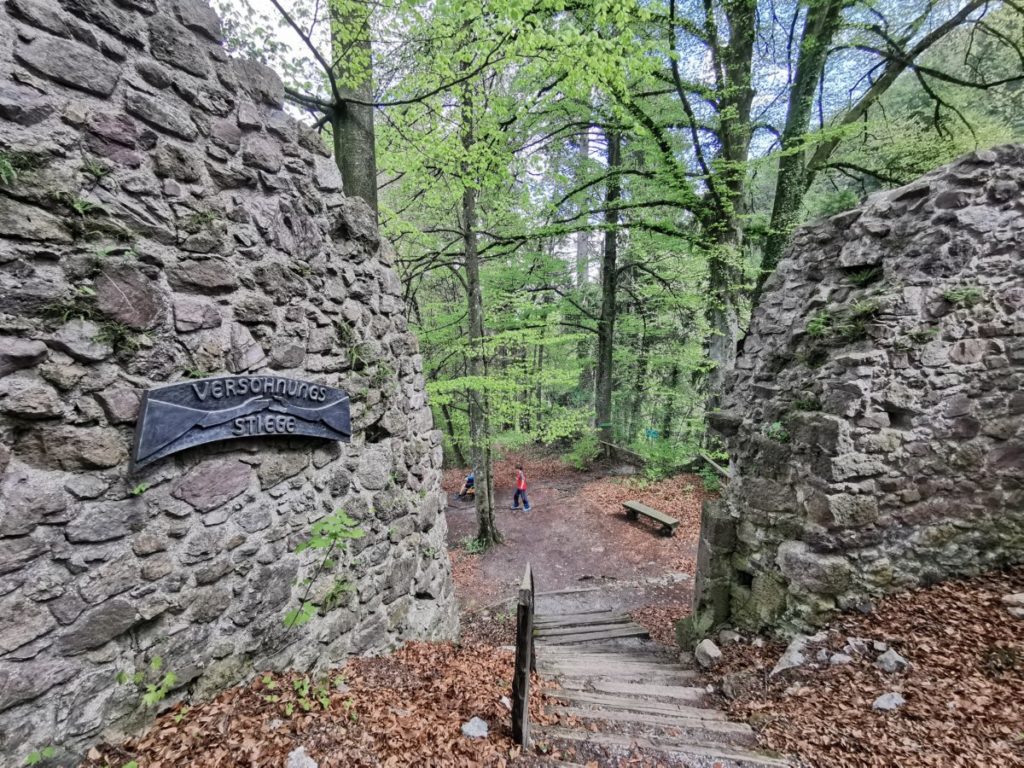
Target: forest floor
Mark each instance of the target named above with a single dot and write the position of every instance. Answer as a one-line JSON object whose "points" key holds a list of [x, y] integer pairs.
{"points": [[963, 688], [577, 538]]}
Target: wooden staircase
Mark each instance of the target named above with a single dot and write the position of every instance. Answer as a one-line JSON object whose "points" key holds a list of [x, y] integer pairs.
{"points": [[620, 697]]}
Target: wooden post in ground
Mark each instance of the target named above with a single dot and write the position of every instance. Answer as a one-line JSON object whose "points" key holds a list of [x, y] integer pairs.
{"points": [[524, 662]]}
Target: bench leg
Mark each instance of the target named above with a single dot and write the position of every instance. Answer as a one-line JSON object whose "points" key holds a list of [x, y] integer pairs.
{"points": [[632, 514], [666, 530]]}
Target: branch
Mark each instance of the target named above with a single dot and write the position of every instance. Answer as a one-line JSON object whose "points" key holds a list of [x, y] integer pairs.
{"points": [[893, 70], [328, 70]]}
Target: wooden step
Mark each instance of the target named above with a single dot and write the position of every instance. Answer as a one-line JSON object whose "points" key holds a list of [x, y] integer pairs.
{"points": [[671, 676], [576, 629], [680, 679], [688, 754], [696, 730], [583, 621], [654, 692], [611, 701], [609, 653], [543, 616], [603, 660], [578, 616], [610, 667], [587, 637]]}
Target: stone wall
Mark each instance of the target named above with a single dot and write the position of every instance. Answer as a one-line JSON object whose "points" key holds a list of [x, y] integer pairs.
{"points": [[161, 217], [876, 414]]}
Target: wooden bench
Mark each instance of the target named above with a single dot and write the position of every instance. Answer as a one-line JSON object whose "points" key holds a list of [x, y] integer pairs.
{"points": [[634, 509]]}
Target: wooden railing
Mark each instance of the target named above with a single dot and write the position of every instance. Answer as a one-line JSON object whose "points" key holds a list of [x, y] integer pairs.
{"points": [[525, 661]]}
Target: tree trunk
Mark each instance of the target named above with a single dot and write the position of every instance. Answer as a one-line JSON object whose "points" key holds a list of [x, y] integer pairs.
{"points": [[670, 407], [725, 241], [583, 238], [584, 348], [539, 373], [820, 26], [355, 150], [606, 321], [460, 457], [479, 429], [639, 382]]}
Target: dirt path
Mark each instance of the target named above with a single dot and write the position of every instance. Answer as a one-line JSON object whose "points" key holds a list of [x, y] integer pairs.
{"points": [[576, 537]]}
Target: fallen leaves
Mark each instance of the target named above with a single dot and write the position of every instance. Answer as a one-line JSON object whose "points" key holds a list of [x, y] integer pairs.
{"points": [[964, 689], [406, 709], [660, 619]]}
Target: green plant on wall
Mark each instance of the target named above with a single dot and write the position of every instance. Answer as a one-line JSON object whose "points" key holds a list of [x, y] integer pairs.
{"points": [[37, 756], [777, 432], [845, 324], [330, 536], [820, 325], [120, 337], [80, 304], [965, 296], [923, 334], [809, 403], [154, 685], [94, 168], [864, 277], [14, 164], [200, 220]]}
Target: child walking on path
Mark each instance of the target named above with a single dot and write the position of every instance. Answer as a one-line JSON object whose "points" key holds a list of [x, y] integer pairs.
{"points": [[520, 490]]}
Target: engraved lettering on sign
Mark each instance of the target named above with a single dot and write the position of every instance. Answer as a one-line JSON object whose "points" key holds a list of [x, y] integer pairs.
{"points": [[184, 415]]}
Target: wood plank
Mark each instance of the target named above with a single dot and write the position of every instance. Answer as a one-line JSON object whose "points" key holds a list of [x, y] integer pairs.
{"points": [[639, 705], [691, 753], [691, 695], [543, 616], [624, 663], [556, 653], [594, 636], [623, 674], [680, 679], [705, 730], [587, 616], [603, 667], [585, 621], [580, 629]]}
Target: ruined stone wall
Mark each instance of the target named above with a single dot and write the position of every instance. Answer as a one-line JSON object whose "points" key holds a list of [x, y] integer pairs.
{"points": [[161, 217], [876, 414]]}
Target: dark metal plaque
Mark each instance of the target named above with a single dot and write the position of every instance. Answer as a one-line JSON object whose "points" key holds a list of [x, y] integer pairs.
{"points": [[192, 413]]}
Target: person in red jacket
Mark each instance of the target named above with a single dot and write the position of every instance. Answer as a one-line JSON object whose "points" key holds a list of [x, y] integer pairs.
{"points": [[520, 490]]}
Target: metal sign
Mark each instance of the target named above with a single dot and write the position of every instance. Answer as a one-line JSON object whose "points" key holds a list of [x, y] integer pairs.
{"points": [[192, 413]]}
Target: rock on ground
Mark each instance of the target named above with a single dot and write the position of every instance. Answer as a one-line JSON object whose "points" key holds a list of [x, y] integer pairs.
{"points": [[794, 655], [891, 662], [707, 654], [889, 701], [475, 729], [298, 758]]}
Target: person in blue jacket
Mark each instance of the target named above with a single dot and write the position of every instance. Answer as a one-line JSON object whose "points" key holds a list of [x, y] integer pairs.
{"points": [[468, 487]]}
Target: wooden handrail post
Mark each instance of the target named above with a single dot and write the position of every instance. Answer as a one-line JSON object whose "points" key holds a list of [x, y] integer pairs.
{"points": [[533, 607], [524, 661]]}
